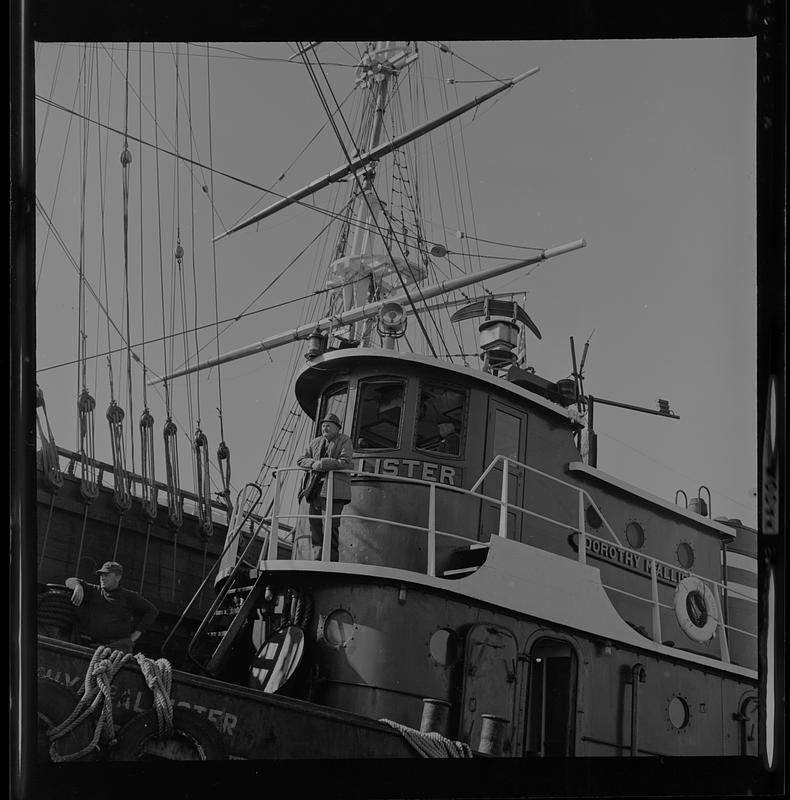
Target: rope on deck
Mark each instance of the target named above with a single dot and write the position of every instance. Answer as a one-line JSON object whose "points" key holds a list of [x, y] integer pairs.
{"points": [[95, 690], [158, 675], [431, 745], [95, 697]]}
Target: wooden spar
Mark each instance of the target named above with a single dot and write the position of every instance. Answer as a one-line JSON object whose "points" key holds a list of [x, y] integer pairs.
{"points": [[376, 153], [371, 310]]}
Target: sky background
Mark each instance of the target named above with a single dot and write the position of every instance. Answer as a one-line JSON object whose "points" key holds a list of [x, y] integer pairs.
{"points": [[645, 148]]}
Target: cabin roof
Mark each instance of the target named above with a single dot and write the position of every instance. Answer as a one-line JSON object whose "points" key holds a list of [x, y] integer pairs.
{"points": [[722, 530], [315, 372]]}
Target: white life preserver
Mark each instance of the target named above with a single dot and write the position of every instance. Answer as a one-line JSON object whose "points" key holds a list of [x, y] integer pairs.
{"points": [[695, 609]]}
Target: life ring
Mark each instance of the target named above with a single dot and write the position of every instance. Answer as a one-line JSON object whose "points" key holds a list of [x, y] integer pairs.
{"points": [[194, 738], [55, 704], [695, 609]]}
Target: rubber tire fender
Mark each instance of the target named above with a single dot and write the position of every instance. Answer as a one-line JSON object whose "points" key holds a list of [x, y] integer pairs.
{"points": [[188, 725], [54, 704]]}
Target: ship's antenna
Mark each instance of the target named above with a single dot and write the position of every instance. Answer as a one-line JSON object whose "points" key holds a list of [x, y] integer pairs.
{"points": [[581, 365]]}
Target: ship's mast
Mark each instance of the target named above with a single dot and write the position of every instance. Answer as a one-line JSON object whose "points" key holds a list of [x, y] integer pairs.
{"points": [[375, 73], [378, 66]]}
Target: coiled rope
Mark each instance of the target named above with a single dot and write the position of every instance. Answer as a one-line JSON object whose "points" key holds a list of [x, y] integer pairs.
{"points": [[95, 696], [431, 745], [158, 676], [95, 691]]}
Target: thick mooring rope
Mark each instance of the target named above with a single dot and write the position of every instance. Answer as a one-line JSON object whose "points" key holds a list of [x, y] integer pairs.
{"points": [[431, 745], [158, 675], [95, 690], [95, 696]]}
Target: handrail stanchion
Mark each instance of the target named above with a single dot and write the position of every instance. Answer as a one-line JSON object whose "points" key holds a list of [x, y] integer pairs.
{"points": [[432, 530], [274, 525], [656, 608], [479, 482], [504, 498], [725, 648], [582, 530], [326, 552]]}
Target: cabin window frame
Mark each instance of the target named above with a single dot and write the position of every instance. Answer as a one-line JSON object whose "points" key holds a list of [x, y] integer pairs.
{"points": [[321, 408], [462, 434], [361, 383]]}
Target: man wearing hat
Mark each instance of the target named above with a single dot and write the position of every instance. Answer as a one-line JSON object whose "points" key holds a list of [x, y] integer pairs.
{"points": [[331, 450], [116, 616]]}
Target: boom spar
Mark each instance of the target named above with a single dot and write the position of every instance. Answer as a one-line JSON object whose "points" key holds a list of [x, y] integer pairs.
{"points": [[371, 310]]}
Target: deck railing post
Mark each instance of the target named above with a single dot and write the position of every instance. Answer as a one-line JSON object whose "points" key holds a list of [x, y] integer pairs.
{"points": [[432, 530], [274, 525], [656, 608], [582, 531], [504, 498], [326, 551], [725, 648]]}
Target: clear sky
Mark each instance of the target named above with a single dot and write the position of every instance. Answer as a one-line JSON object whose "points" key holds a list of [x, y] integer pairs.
{"points": [[644, 148]]}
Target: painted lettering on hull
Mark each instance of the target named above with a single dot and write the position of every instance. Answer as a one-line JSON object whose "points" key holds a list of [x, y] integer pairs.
{"points": [[224, 721], [133, 700], [409, 468], [622, 557]]}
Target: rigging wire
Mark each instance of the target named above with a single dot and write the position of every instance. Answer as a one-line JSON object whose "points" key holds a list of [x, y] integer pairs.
{"points": [[235, 179], [126, 160], [223, 451], [159, 217], [364, 197]]}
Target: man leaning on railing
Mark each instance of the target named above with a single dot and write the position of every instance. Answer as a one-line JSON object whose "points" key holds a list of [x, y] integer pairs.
{"points": [[330, 451]]}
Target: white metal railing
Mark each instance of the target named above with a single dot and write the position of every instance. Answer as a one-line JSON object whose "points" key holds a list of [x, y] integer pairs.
{"points": [[431, 532], [429, 529]]}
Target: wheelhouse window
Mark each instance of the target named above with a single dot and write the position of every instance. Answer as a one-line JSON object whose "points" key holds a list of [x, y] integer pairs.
{"points": [[440, 419], [379, 414], [334, 401]]}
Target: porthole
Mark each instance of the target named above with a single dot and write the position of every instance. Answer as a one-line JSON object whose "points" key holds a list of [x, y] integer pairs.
{"points": [[635, 534], [338, 628], [685, 555], [593, 518], [678, 713], [443, 647]]}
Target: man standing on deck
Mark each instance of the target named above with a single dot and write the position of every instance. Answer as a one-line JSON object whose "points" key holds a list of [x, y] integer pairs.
{"points": [[330, 451], [117, 616]]}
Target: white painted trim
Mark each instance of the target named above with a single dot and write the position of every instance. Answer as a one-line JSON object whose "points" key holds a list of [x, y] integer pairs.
{"points": [[529, 581], [737, 591], [463, 373], [578, 466], [738, 561]]}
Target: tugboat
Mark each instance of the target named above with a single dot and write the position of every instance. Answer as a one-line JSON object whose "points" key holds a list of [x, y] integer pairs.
{"points": [[494, 591]]}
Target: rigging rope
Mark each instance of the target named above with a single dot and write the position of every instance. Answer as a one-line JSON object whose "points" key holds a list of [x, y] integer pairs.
{"points": [[223, 451], [369, 185], [85, 403], [149, 490], [203, 484], [49, 450], [170, 430]]}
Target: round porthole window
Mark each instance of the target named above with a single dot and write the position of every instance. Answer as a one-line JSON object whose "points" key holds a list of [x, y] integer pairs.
{"points": [[685, 555], [678, 713], [443, 647], [635, 534], [339, 627]]}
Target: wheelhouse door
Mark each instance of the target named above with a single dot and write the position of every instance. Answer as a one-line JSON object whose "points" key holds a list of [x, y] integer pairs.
{"points": [[551, 700], [506, 435]]}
